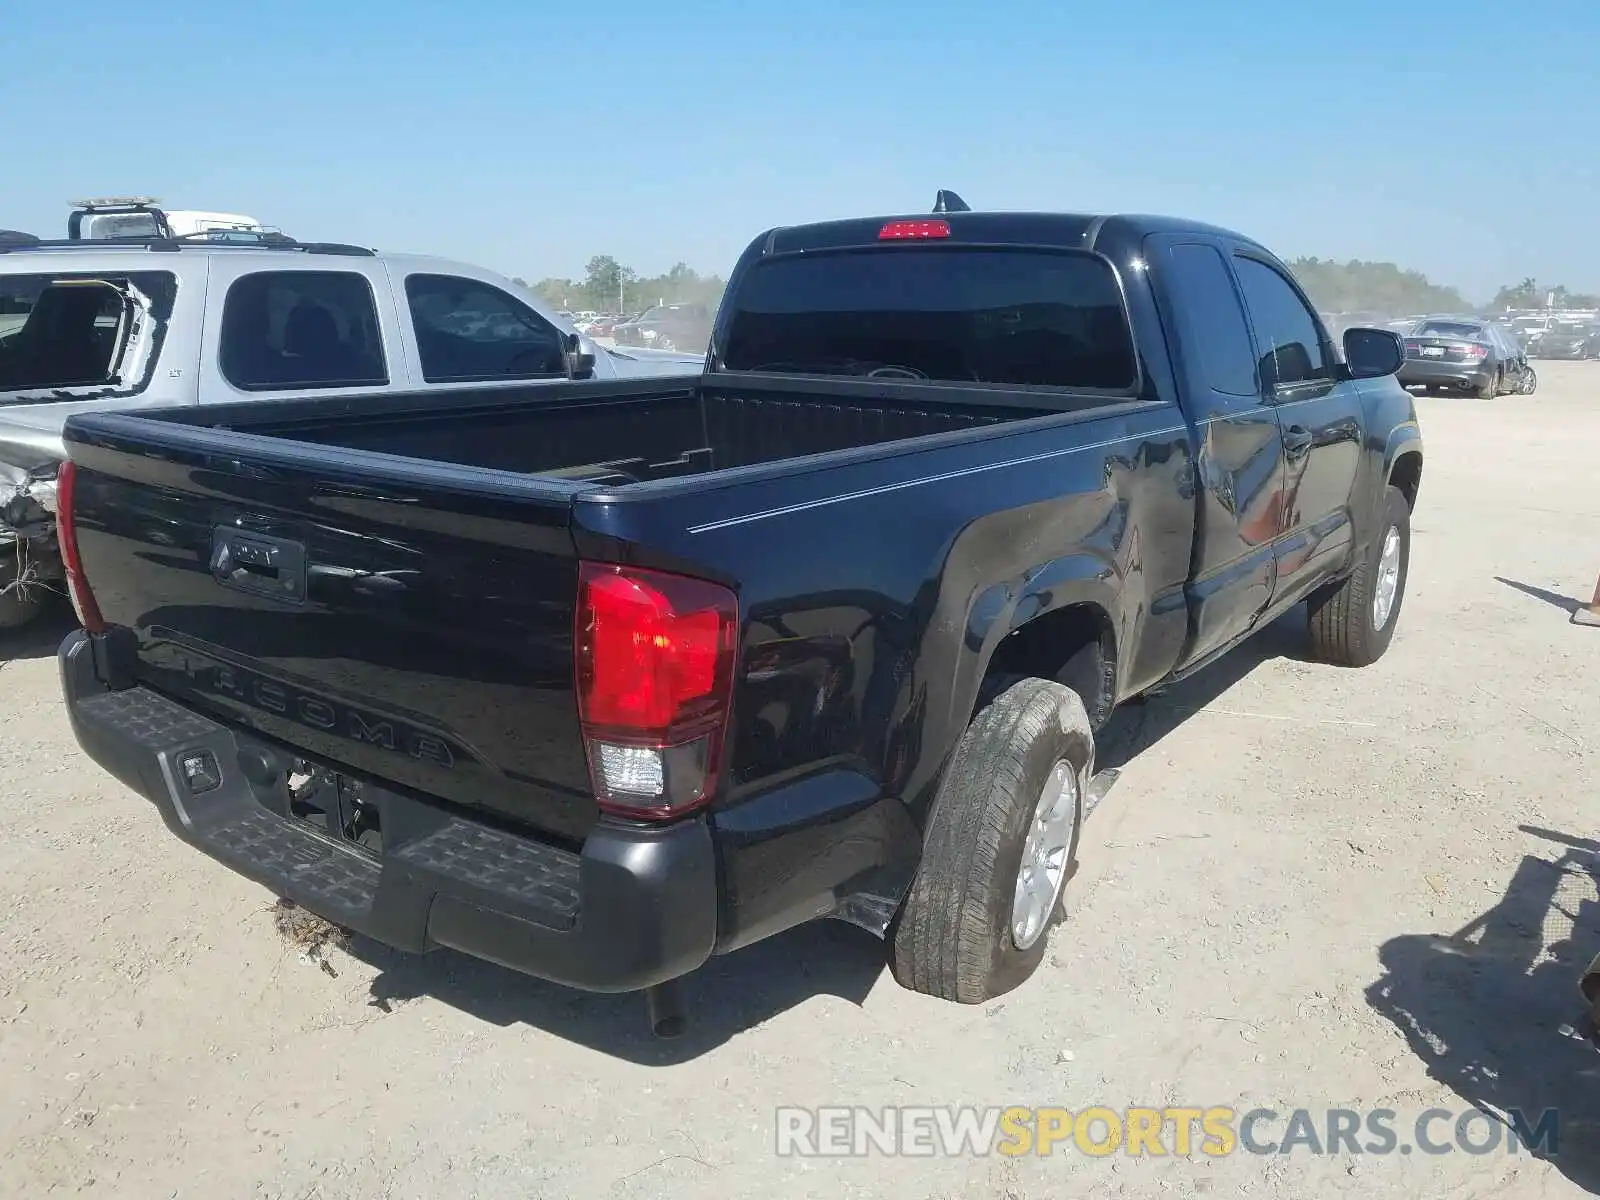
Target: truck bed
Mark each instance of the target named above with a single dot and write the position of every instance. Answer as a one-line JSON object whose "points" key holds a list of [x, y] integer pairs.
{"points": [[388, 585], [613, 434]]}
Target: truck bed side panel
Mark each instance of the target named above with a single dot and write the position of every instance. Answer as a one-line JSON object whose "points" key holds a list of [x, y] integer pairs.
{"points": [[873, 594]]}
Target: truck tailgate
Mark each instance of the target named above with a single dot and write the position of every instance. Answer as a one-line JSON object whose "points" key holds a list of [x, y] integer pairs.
{"points": [[385, 617]]}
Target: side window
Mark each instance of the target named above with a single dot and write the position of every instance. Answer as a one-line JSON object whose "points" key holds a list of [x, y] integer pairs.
{"points": [[1286, 331], [1214, 328], [301, 329], [75, 330], [57, 333], [472, 331]]}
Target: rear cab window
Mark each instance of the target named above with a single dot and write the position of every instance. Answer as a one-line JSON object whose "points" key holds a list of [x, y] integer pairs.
{"points": [[68, 331], [943, 314], [1214, 331], [302, 330]]}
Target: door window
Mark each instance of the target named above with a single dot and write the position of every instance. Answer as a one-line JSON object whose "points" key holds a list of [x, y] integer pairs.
{"points": [[1286, 331], [301, 329], [472, 331]]}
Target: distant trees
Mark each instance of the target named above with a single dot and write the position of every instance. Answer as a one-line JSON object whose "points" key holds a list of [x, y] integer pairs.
{"points": [[1355, 286], [1530, 293], [1381, 287], [609, 286]]}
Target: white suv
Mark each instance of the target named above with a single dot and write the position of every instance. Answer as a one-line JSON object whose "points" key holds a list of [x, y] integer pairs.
{"points": [[238, 316]]}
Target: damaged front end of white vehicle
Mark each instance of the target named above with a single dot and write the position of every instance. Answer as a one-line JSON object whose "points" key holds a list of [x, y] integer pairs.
{"points": [[30, 560], [39, 388]]}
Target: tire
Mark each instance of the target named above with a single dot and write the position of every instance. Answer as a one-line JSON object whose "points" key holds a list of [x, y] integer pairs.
{"points": [[1530, 383], [954, 937], [18, 608], [1489, 390], [18, 605], [1343, 630]]}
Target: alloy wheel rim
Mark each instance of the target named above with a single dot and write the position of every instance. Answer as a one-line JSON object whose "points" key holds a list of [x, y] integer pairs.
{"points": [[1388, 588], [1045, 856]]}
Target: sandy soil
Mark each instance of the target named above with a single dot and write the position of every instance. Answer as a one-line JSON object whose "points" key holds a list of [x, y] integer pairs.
{"points": [[1263, 920]]}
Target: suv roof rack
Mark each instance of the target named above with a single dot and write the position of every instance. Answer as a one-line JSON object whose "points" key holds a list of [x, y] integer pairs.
{"points": [[209, 239]]}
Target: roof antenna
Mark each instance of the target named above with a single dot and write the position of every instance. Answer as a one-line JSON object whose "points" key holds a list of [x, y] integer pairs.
{"points": [[948, 202]]}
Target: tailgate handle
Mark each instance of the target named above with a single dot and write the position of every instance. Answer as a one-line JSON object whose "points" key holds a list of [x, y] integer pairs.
{"points": [[253, 562]]}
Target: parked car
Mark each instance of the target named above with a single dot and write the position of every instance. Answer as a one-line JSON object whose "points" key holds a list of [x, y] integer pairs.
{"points": [[685, 327], [1461, 354], [155, 321], [599, 679], [1569, 340], [602, 326]]}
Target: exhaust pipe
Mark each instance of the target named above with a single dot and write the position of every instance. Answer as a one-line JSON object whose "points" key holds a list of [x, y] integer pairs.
{"points": [[663, 1006]]}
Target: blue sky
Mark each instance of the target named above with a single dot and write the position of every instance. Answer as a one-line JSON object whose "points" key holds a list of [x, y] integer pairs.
{"points": [[1462, 139]]}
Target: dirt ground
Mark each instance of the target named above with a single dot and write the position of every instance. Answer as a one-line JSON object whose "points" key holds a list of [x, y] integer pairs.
{"points": [[1264, 919]]}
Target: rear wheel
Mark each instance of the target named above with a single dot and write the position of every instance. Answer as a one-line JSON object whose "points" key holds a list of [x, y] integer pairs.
{"points": [[1352, 622], [1489, 390], [1000, 847]]}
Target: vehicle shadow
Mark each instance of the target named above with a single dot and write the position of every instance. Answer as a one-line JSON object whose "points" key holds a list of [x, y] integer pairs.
{"points": [[1484, 1008], [1566, 604], [42, 636], [724, 998], [1137, 726]]}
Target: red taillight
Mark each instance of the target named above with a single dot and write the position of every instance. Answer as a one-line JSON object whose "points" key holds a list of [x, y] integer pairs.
{"points": [[83, 601], [1472, 351], [655, 665], [898, 230]]}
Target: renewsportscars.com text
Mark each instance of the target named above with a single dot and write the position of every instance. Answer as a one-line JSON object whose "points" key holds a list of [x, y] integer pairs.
{"points": [[1217, 1131]]}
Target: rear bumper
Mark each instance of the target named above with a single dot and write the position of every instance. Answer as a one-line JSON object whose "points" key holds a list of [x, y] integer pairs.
{"points": [[635, 907], [1420, 371]]}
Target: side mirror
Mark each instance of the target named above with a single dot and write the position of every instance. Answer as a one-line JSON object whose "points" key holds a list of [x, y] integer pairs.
{"points": [[1373, 353], [580, 364]]}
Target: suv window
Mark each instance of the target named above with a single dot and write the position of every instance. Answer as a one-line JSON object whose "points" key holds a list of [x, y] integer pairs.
{"points": [[301, 329], [67, 330], [1215, 325], [1030, 318], [1286, 331], [468, 330]]}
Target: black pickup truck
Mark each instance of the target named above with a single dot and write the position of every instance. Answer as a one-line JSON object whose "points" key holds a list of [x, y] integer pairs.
{"points": [[600, 681]]}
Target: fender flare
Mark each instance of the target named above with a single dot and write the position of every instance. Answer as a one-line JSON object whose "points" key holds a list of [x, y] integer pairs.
{"points": [[1081, 578]]}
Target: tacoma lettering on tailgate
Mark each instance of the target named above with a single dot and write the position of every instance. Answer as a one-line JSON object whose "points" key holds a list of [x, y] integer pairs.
{"points": [[308, 708]]}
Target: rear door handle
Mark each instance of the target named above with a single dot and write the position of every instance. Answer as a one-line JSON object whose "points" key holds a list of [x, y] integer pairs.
{"points": [[1296, 441]]}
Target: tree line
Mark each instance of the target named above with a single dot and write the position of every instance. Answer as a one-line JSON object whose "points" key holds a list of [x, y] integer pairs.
{"points": [[1334, 287], [1383, 287], [609, 287]]}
